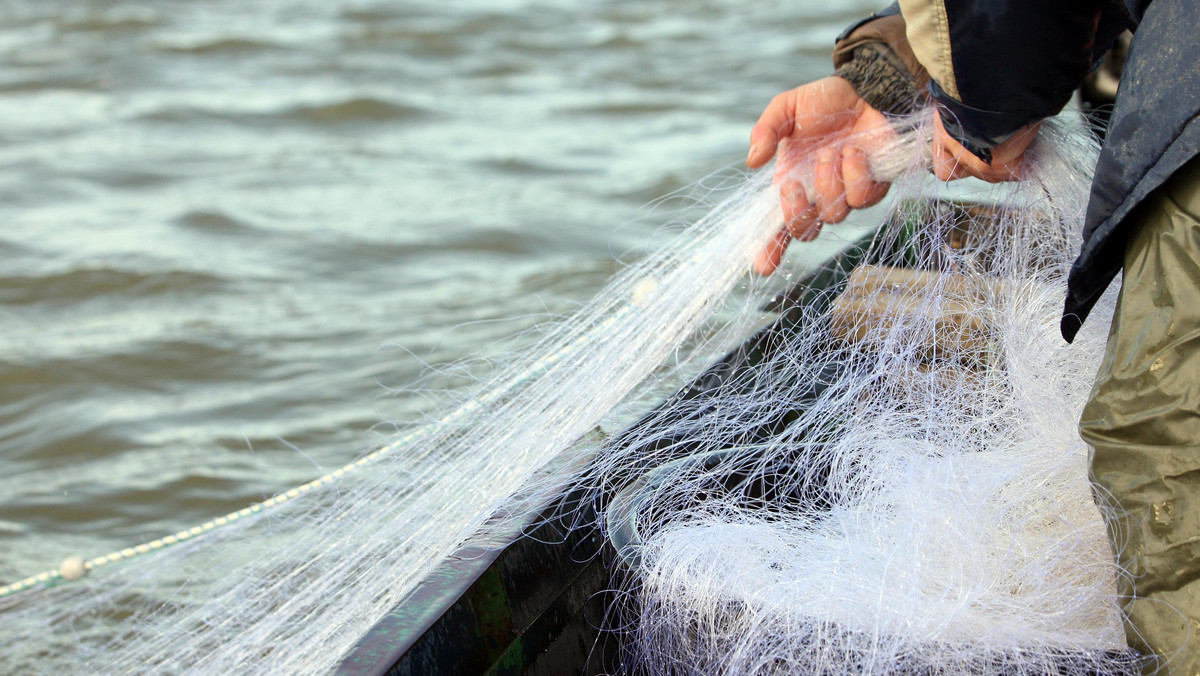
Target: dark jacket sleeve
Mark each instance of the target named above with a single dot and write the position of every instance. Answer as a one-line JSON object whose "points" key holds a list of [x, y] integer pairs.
{"points": [[998, 65]]}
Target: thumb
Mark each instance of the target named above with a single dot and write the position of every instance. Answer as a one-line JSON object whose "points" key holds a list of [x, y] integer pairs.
{"points": [[775, 123]]}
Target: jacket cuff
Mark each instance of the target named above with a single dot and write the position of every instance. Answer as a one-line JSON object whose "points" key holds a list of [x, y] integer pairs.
{"points": [[874, 57], [880, 83]]}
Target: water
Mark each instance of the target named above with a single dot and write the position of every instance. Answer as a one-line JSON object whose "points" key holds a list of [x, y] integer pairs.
{"points": [[232, 233]]}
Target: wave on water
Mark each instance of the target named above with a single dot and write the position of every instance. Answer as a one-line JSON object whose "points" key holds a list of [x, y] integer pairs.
{"points": [[355, 110]]}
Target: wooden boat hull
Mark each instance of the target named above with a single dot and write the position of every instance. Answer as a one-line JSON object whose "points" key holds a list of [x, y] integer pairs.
{"points": [[538, 600]]}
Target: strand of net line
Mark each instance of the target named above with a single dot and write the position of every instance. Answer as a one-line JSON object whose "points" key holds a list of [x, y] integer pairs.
{"points": [[75, 568]]}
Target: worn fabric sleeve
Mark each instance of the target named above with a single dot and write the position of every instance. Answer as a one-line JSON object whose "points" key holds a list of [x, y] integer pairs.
{"points": [[874, 56]]}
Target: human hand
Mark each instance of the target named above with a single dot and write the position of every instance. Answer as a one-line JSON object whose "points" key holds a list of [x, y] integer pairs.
{"points": [[827, 126], [952, 160]]}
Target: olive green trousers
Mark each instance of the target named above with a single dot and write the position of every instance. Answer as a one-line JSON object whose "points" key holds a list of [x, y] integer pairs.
{"points": [[1143, 423]]}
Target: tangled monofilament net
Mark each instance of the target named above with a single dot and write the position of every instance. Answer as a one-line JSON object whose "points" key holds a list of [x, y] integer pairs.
{"points": [[906, 495], [898, 485]]}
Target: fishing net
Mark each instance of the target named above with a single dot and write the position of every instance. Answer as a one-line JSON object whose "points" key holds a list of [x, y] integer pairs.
{"points": [[888, 479], [897, 484]]}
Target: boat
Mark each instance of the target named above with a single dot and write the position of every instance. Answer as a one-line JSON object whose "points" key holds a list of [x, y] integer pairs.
{"points": [[537, 598]]}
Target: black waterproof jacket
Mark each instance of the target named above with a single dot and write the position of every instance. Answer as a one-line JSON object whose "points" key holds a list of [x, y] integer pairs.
{"points": [[1154, 131]]}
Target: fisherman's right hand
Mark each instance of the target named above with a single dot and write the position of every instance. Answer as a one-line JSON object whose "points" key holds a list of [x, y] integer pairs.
{"points": [[951, 160]]}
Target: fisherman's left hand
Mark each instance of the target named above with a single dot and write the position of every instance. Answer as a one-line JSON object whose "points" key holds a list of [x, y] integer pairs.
{"points": [[826, 123]]}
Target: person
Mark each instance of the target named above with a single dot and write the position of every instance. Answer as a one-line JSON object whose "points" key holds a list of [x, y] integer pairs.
{"points": [[994, 69]]}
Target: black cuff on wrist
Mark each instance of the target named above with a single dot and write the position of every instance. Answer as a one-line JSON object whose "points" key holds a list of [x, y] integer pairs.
{"points": [[981, 130]]}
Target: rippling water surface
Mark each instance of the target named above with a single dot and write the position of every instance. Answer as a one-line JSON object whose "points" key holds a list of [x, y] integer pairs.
{"points": [[228, 228]]}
